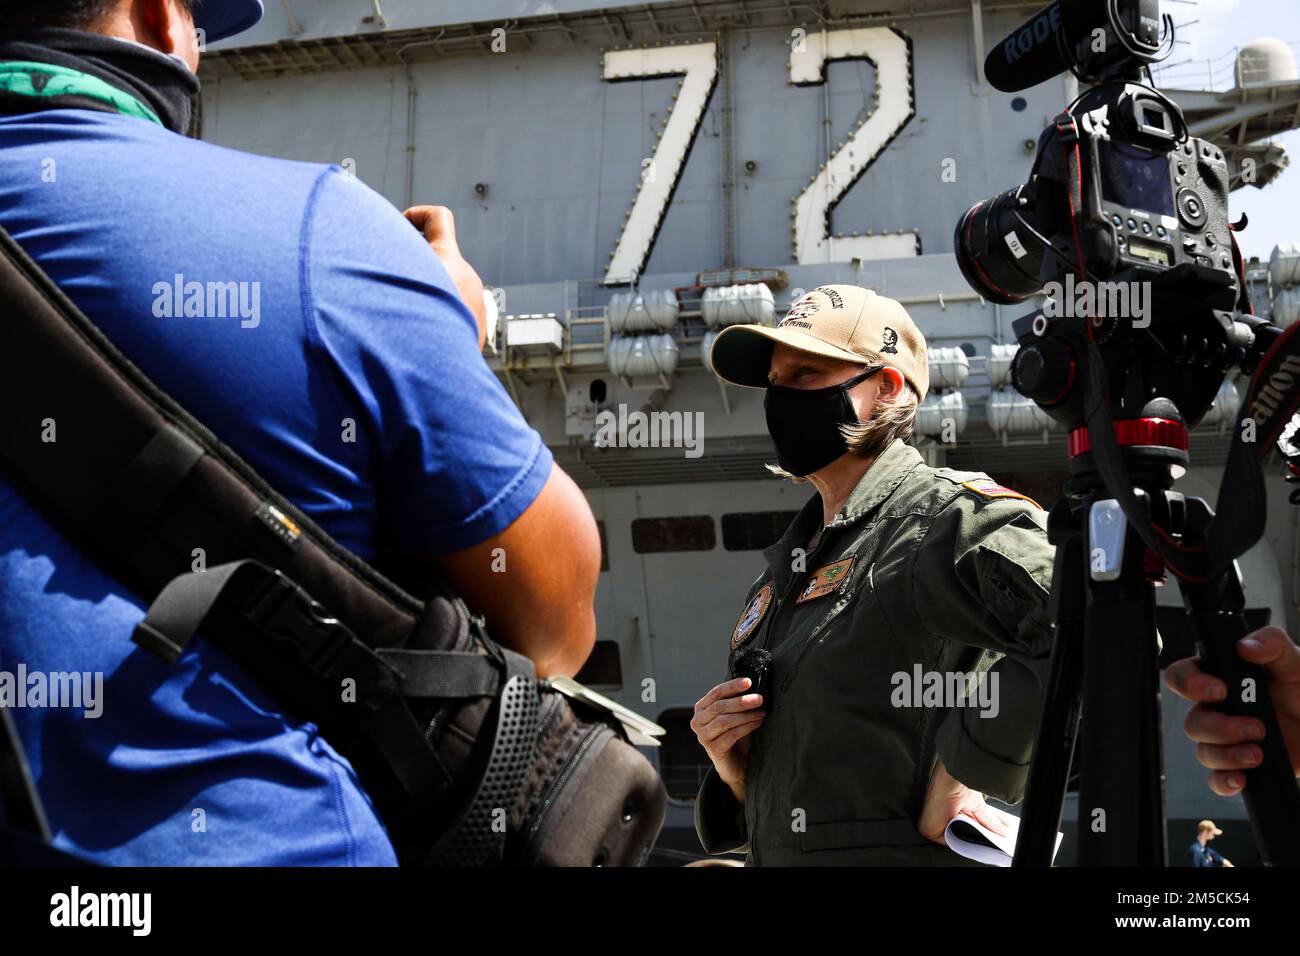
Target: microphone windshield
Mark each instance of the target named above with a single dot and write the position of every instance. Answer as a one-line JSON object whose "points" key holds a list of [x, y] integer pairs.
{"points": [[1030, 53]]}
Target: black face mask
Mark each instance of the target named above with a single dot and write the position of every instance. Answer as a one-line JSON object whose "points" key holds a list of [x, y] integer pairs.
{"points": [[805, 423]]}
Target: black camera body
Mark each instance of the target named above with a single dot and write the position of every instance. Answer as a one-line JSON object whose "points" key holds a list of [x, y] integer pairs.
{"points": [[1151, 204], [1122, 224], [1118, 186]]}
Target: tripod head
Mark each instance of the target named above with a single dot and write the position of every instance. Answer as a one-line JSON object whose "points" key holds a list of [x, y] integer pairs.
{"points": [[1162, 370]]}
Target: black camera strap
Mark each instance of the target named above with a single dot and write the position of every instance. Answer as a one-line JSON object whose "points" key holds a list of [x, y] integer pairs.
{"points": [[1268, 405], [1067, 130]]}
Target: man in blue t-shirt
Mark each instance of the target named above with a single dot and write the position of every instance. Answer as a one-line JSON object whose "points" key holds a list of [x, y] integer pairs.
{"points": [[1199, 853], [304, 320]]}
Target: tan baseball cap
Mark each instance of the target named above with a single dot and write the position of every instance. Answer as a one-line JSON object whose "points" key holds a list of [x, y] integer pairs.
{"points": [[838, 321], [1208, 825]]}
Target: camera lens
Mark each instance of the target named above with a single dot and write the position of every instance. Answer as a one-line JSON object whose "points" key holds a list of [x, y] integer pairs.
{"points": [[997, 255]]}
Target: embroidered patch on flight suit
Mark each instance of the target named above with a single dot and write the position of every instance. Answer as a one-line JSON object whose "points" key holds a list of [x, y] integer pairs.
{"points": [[991, 489], [750, 617], [826, 580]]}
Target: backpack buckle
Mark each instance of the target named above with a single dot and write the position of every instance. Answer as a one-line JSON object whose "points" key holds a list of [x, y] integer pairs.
{"points": [[289, 616]]}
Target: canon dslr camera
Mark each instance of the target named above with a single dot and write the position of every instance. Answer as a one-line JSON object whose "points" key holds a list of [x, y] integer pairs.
{"points": [[1118, 184]]}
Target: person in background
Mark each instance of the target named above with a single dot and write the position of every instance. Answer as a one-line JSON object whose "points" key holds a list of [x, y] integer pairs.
{"points": [[1200, 854]]}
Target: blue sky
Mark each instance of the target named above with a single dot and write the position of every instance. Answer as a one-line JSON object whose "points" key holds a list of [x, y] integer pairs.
{"points": [[1274, 211]]}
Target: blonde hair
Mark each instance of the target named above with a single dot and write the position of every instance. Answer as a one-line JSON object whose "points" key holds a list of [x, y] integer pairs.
{"points": [[892, 417]]}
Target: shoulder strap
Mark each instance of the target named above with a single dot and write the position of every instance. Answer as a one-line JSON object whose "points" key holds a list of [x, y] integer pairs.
{"points": [[20, 805]]}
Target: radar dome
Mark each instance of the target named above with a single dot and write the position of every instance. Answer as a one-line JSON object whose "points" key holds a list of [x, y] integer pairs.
{"points": [[1266, 60]]}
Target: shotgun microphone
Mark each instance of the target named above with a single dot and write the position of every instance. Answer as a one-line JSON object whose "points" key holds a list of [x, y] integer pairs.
{"points": [[1069, 32]]}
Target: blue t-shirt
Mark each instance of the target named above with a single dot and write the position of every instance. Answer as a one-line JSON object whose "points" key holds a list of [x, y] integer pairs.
{"points": [[301, 318], [1198, 855]]}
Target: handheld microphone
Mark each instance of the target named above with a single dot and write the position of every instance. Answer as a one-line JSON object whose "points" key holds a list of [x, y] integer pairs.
{"points": [[756, 664]]}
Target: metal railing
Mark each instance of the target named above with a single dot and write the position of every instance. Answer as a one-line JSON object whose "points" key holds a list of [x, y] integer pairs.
{"points": [[1217, 74]]}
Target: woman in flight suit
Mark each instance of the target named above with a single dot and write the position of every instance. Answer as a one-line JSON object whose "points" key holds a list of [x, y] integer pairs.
{"points": [[905, 612]]}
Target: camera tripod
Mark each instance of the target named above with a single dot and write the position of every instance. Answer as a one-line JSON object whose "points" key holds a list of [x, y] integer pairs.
{"points": [[1104, 659]]}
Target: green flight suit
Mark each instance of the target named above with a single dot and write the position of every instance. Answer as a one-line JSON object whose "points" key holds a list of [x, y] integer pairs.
{"points": [[927, 573]]}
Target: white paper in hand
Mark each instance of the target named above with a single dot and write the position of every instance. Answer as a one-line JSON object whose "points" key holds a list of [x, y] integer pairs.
{"points": [[971, 839]]}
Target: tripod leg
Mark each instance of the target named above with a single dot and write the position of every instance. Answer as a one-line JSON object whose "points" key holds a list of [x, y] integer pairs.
{"points": [[1049, 769], [1121, 793]]}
